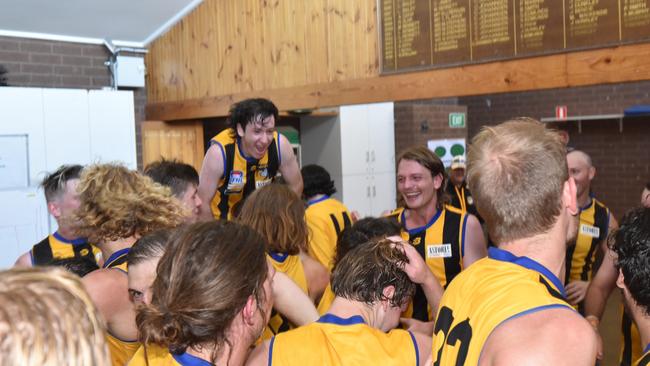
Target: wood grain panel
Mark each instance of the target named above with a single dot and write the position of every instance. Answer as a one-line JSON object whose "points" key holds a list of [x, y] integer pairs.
{"points": [[235, 46], [182, 141], [619, 64]]}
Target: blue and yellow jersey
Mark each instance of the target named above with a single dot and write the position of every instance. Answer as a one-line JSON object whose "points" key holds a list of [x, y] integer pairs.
{"points": [[56, 247], [490, 292], [326, 218], [121, 350], [241, 174], [326, 300], [441, 242], [291, 265], [630, 340], [645, 359], [337, 341], [155, 355], [593, 229]]}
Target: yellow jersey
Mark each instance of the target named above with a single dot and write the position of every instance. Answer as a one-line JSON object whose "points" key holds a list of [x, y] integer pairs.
{"points": [[645, 360], [630, 340], [56, 247], [121, 350], [156, 355], [241, 174], [490, 292], [291, 265], [593, 229], [441, 242], [326, 300], [337, 341], [326, 217]]}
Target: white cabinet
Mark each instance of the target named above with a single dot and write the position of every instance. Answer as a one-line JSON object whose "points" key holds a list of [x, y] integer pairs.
{"points": [[63, 126], [358, 149]]}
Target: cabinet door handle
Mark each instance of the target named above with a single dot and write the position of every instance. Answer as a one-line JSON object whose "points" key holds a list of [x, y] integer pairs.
{"points": [[368, 191], [374, 191], [367, 156], [372, 154]]}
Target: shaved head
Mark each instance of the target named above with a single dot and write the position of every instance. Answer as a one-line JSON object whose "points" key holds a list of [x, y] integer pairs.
{"points": [[581, 155]]}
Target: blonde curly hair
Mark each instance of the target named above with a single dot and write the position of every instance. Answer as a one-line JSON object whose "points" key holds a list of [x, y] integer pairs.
{"points": [[118, 203], [48, 319]]}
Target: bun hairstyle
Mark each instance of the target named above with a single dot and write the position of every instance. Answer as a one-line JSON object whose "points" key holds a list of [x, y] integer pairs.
{"points": [[204, 279]]}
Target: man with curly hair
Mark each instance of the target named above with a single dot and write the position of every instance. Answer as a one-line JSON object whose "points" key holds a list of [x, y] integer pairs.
{"points": [[117, 207], [631, 245]]}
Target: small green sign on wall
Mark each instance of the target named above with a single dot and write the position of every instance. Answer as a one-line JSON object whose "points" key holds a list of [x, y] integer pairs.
{"points": [[457, 120]]}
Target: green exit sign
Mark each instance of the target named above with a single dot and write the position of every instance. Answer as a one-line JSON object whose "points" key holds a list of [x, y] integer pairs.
{"points": [[457, 120]]}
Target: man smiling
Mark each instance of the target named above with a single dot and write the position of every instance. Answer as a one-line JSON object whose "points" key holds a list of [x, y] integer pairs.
{"points": [[245, 157]]}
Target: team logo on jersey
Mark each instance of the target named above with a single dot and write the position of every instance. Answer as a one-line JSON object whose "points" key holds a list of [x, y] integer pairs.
{"points": [[84, 252], [470, 200], [261, 183], [438, 251], [263, 171], [235, 181], [590, 231], [416, 240]]}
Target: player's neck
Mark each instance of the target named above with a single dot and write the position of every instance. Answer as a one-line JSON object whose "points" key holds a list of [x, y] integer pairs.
{"points": [[110, 247], [421, 216], [640, 319], [584, 199], [548, 249], [344, 308], [66, 232]]}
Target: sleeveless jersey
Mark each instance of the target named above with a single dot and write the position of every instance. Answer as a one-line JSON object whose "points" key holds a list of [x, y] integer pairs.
{"points": [[121, 350], [630, 340], [291, 265], [56, 247], [326, 218], [337, 341], [326, 300], [461, 198], [645, 359], [593, 229], [241, 174], [488, 293], [160, 356], [441, 243]]}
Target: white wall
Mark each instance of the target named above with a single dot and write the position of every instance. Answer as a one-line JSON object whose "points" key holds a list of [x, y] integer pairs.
{"points": [[64, 126]]}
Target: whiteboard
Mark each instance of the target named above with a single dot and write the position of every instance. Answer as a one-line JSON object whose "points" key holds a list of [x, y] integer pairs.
{"points": [[14, 162]]}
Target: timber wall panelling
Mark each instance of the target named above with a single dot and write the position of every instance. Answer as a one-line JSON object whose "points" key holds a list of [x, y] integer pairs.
{"points": [[182, 141]]}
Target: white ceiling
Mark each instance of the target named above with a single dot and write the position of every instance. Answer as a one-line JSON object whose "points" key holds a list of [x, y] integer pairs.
{"points": [[125, 22]]}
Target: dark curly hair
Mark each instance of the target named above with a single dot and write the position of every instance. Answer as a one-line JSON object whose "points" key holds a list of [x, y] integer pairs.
{"points": [[631, 243], [250, 110], [362, 231], [316, 180]]}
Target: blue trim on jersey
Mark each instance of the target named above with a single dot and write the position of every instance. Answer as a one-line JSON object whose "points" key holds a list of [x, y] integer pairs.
{"points": [[271, 351], [279, 257], [279, 150], [464, 231], [505, 256], [186, 359], [31, 258], [588, 205], [325, 197], [421, 228], [115, 256], [223, 154], [646, 349], [417, 351], [77, 241], [241, 152], [333, 319]]}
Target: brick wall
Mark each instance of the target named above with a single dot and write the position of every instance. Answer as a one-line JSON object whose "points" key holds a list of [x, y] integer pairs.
{"points": [[53, 64], [622, 159]]}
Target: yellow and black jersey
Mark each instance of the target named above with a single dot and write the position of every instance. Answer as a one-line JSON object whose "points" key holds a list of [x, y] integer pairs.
{"points": [[121, 350], [490, 292], [291, 265], [343, 341], [630, 340], [593, 229], [326, 300], [241, 174], [645, 360], [441, 242], [461, 198], [326, 218], [160, 356], [56, 247]]}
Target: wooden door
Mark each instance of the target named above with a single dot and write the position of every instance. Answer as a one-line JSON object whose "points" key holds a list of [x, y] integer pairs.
{"points": [[182, 141]]}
